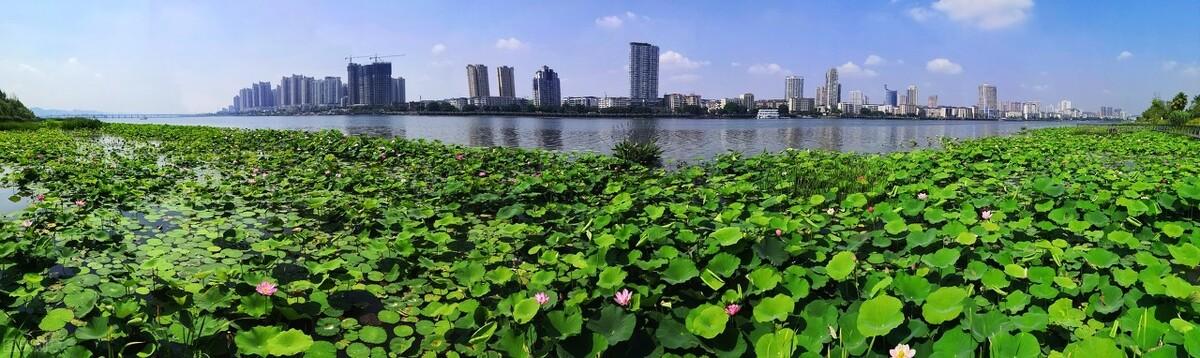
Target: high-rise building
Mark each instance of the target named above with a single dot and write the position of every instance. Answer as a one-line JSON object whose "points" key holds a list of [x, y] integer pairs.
{"points": [[747, 100], [643, 73], [794, 87], [1065, 106], [889, 96], [833, 89], [297, 90], [398, 91], [546, 90], [353, 86], [911, 96], [376, 82], [263, 98], [504, 79], [329, 91], [857, 98], [820, 100], [988, 103], [933, 101], [477, 81]]}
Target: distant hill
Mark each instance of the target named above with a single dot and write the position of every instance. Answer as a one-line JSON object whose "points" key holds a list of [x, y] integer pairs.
{"points": [[13, 109], [43, 112]]}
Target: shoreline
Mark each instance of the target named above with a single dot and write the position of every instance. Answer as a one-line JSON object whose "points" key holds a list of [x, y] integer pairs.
{"points": [[624, 115]]}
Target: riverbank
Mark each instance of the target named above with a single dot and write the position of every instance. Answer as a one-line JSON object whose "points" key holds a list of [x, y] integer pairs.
{"points": [[176, 240], [610, 115]]}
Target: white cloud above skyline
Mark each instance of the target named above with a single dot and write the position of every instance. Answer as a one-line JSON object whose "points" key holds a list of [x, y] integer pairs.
{"points": [[511, 43], [1124, 55], [874, 60], [852, 70], [767, 69], [943, 66], [438, 49], [672, 60], [982, 14]]}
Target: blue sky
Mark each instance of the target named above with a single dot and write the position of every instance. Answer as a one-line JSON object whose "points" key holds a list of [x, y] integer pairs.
{"points": [[168, 56]]}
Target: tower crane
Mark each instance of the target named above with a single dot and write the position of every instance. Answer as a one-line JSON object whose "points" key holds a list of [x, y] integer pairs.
{"points": [[374, 57]]}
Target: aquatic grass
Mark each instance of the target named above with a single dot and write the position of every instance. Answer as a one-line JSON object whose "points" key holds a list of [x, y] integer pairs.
{"points": [[1044, 243]]}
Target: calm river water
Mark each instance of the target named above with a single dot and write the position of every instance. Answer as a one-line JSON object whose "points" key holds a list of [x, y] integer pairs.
{"points": [[681, 139]]}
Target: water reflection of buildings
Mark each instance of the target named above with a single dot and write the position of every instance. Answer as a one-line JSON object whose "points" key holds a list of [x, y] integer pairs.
{"points": [[479, 132], [549, 134], [509, 135]]}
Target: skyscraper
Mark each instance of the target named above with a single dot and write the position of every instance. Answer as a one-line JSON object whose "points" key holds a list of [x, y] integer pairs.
{"points": [[504, 79], [477, 81], [353, 86], [933, 101], [329, 91], [987, 100], [376, 82], [911, 96], [398, 91], [833, 89], [889, 96], [794, 87], [857, 98], [747, 101], [546, 90], [643, 73]]}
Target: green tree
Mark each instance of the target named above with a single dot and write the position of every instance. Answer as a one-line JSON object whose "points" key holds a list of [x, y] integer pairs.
{"points": [[783, 110], [11, 108], [1179, 118], [1179, 102], [1195, 106], [1157, 110], [733, 108]]}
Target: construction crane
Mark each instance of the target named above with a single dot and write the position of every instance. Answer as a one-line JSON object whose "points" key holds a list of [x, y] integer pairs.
{"points": [[374, 57]]}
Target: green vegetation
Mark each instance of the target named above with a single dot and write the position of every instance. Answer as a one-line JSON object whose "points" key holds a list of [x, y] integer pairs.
{"points": [[1176, 112], [180, 241], [640, 152], [12, 109]]}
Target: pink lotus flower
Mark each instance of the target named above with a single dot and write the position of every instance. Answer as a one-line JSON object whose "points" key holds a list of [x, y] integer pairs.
{"points": [[902, 351], [41, 197], [266, 288], [458, 156], [778, 232], [922, 196], [870, 209], [732, 309], [986, 215], [541, 298], [483, 174], [623, 297], [27, 224], [80, 203]]}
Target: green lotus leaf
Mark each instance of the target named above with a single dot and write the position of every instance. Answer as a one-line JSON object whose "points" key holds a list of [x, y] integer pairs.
{"points": [[567, 323], [525, 310], [321, 349], [942, 258], [96, 329], [1063, 313], [81, 302], [614, 324], [255, 305], [255, 341], [1094, 346], [778, 344], [673, 335], [389, 317], [56, 319], [680, 270], [764, 278], [841, 265], [943, 304], [611, 277], [372, 334], [707, 321], [1021, 345], [856, 200], [727, 235], [724, 264], [1185, 254], [1101, 258], [879, 315], [776, 308]]}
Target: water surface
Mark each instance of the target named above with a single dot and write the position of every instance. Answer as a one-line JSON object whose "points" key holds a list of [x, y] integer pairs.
{"points": [[681, 138]]}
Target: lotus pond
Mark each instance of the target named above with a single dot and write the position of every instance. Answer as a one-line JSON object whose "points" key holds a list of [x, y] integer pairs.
{"points": [[139, 240]]}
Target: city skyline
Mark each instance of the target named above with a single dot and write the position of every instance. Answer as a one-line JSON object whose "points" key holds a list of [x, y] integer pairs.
{"points": [[1036, 51]]}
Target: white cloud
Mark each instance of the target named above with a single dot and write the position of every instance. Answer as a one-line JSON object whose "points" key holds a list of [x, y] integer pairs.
{"points": [[27, 68], [919, 14], [686, 77], [766, 69], [610, 22], [735, 64], [438, 49], [1169, 65], [1125, 55], [672, 60], [874, 60], [985, 14], [1041, 88], [1192, 70], [630, 15], [511, 43], [943, 66], [851, 70], [73, 60]]}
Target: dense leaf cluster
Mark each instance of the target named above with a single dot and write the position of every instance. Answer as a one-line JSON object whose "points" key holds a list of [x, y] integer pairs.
{"points": [[166, 241]]}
